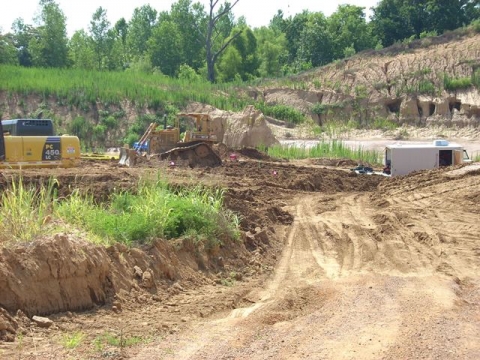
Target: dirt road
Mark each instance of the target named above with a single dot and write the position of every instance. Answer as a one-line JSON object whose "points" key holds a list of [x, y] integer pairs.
{"points": [[355, 267], [359, 278]]}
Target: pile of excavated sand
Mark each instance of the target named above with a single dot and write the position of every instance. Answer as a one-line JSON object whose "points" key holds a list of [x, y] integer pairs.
{"points": [[238, 130]]}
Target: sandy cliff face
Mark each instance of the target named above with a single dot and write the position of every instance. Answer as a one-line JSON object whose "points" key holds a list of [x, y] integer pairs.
{"points": [[407, 87]]}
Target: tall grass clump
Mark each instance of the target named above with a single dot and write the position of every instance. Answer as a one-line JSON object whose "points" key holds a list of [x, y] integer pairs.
{"points": [[282, 112], [325, 149], [25, 210], [452, 84], [154, 211]]}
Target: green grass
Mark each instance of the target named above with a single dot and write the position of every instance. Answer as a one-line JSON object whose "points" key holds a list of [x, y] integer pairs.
{"points": [[82, 88], [71, 341], [453, 84], [25, 210], [282, 112], [154, 211], [325, 149], [117, 340]]}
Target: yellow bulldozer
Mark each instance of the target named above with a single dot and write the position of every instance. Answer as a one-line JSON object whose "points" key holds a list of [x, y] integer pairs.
{"points": [[164, 143], [31, 143]]}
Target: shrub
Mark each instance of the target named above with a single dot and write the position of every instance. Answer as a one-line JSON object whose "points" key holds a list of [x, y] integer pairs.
{"points": [[282, 112], [451, 84], [476, 25], [319, 109], [476, 78], [426, 87]]}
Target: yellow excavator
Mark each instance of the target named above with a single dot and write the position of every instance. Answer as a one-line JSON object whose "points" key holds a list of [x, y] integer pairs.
{"points": [[195, 149], [27, 143]]}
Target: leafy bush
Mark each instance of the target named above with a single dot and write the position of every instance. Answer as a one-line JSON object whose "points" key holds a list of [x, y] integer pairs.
{"points": [[282, 112], [425, 34], [383, 124], [99, 132], [476, 25], [319, 108], [426, 87], [110, 122], [476, 78], [451, 84], [80, 127]]}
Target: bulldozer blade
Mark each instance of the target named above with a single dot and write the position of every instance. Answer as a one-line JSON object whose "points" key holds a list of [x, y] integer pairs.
{"points": [[127, 157]]}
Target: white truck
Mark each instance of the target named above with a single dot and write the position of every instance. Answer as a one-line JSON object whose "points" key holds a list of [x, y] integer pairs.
{"points": [[401, 159]]}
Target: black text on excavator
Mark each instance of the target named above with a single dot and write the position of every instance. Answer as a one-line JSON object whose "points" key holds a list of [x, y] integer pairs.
{"points": [[22, 145]]}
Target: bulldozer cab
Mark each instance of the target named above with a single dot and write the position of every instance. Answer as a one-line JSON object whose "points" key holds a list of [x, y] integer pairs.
{"points": [[202, 129]]}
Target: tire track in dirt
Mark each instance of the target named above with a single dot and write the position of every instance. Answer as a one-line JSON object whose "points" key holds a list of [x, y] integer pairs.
{"points": [[359, 277], [304, 261]]}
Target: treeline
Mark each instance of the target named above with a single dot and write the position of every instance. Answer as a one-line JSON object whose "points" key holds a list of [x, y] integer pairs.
{"points": [[194, 43]]}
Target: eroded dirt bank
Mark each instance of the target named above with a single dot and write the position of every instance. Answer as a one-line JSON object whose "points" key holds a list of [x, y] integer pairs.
{"points": [[332, 265]]}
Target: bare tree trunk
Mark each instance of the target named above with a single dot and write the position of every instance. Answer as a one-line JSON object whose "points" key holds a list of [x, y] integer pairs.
{"points": [[212, 55]]}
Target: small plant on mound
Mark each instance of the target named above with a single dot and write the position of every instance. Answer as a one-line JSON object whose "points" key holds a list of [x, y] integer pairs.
{"points": [[71, 341], [117, 340]]}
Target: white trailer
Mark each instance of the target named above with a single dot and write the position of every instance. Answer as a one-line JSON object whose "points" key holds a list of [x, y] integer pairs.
{"points": [[401, 159]]}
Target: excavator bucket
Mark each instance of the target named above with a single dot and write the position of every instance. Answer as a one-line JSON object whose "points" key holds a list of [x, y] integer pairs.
{"points": [[128, 157]]}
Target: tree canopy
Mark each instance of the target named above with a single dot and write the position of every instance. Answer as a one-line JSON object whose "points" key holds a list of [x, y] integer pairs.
{"points": [[197, 42]]}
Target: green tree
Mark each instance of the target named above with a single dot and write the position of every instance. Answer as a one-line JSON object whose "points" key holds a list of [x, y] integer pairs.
{"points": [[49, 48], [230, 65], [316, 41], [348, 29], [165, 48], [293, 29], [272, 50], [99, 31], [246, 46], [81, 52], [189, 20], [396, 20], [8, 52], [140, 29], [121, 31], [22, 36]]}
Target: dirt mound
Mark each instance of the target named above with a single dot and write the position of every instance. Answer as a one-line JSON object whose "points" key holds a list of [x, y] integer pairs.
{"points": [[253, 153], [291, 177]]}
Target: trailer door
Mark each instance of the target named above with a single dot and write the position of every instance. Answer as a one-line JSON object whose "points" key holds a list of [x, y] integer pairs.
{"points": [[2, 144], [457, 157], [445, 158]]}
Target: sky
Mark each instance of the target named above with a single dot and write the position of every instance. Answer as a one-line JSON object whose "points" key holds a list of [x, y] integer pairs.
{"points": [[79, 12]]}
